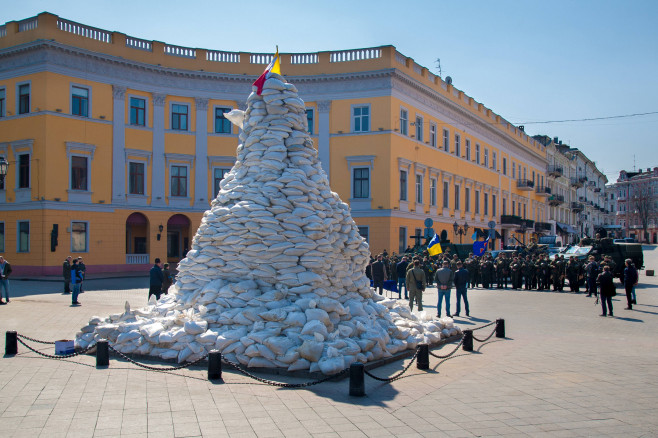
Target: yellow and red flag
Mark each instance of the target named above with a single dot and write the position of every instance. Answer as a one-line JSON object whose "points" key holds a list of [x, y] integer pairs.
{"points": [[273, 67]]}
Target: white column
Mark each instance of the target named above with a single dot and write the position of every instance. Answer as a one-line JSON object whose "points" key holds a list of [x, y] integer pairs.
{"points": [[201, 156], [324, 153], [158, 169], [118, 144]]}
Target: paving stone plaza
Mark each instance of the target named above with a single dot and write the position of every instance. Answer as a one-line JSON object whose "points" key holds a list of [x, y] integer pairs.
{"points": [[561, 371]]}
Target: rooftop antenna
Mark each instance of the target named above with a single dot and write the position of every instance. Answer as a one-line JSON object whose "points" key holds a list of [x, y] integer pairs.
{"points": [[438, 65]]}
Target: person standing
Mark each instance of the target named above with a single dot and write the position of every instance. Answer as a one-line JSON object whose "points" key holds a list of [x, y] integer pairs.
{"points": [[5, 272], [76, 280], [401, 269], [156, 280], [167, 280], [416, 284], [66, 273], [592, 272], [378, 274], [82, 268], [606, 281], [574, 273], [444, 278], [461, 287], [630, 280]]}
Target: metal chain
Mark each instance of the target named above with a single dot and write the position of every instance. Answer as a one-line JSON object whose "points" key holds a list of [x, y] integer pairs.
{"points": [[461, 341], [148, 367], [34, 340], [398, 375], [484, 326], [52, 356], [486, 339], [279, 384]]}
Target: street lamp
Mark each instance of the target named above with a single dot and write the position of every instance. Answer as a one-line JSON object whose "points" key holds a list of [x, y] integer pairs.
{"points": [[460, 230], [4, 165]]}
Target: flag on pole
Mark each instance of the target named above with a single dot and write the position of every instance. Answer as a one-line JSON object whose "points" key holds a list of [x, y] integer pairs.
{"points": [[273, 67], [480, 246], [434, 247], [475, 236]]}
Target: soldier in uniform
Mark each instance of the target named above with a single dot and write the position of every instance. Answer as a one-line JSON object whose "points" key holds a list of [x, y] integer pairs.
{"points": [[515, 272], [528, 271], [487, 269], [453, 263], [477, 272], [574, 274], [557, 272], [501, 270], [469, 265]]}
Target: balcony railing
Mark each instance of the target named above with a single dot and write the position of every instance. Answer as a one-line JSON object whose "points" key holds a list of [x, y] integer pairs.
{"points": [[577, 206], [84, 30], [576, 182], [137, 259], [509, 219], [542, 226], [525, 184], [543, 190], [555, 199], [555, 171]]}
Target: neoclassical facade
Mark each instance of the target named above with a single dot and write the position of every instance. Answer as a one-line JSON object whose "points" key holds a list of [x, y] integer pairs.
{"points": [[116, 145]]}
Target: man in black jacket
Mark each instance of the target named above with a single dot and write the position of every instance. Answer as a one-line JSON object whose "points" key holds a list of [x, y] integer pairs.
{"points": [[5, 271], [630, 280], [401, 269], [156, 279], [66, 273], [378, 274]]}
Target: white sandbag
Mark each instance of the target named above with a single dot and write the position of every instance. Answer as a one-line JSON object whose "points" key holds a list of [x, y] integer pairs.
{"points": [[195, 327], [311, 350], [279, 345], [300, 364], [313, 327], [331, 365], [151, 330]]}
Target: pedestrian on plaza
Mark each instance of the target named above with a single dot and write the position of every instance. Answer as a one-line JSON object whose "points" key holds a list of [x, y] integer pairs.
{"points": [[82, 268], [167, 279], [444, 278], [608, 290], [574, 274], [66, 273], [401, 269], [156, 280], [378, 271], [5, 272], [630, 280], [592, 272], [416, 284], [76, 281], [461, 287]]}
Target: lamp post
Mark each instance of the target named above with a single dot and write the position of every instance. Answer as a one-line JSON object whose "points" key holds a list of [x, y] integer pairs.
{"points": [[4, 165], [460, 230]]}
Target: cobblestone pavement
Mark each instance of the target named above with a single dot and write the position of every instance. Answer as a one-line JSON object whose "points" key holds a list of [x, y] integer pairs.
{"points": [[562, 371]]}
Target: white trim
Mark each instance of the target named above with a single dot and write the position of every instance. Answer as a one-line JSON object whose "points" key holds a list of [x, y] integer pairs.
{"points": [[355, 162], [420, 130], [147, 102], [18, 236], [85, 87], [402, 108], [171, 116], [352, 117], [214, 120], [367, 227], [86, 151], [432, 140], [18, 97]]}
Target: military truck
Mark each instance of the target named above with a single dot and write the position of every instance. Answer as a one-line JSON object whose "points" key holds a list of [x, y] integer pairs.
{"points": [[600, 248]]}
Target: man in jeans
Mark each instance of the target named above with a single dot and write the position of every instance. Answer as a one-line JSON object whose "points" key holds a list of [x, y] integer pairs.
{"points": [[461, 285], [5, 271], [401, 269], [444, 278], [592, 271]]}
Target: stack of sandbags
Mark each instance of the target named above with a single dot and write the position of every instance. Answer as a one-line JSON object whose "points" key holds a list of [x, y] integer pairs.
{"points": [[276, 274]]}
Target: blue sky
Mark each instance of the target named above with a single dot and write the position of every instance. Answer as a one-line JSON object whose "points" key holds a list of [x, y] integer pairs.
{"points": [[529, 61]]}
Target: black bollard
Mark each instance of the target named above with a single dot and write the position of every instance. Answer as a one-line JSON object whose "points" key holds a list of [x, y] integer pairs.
{"points": [[500, 328], [357, 380], [214, 365], [468, 340], [11, 343], [423, 358], [102, 353]]}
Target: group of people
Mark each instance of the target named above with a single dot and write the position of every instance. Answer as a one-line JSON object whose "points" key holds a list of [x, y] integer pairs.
{"points": [[160, 280], [73, 271], [528, 271]]}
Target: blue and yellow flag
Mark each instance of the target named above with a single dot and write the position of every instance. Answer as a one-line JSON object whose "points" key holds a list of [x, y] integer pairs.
{"points": [[480, 246], [434, 247]]}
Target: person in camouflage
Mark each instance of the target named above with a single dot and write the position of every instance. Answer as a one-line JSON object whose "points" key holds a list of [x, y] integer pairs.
{"points": [[542, 273], [528, 270], [502, 270], [487, 270], [574, 274], [516, 272], [469, 264]]}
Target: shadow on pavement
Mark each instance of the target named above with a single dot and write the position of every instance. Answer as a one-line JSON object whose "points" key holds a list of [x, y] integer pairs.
{"points": [[635, 309], [628, 319]]}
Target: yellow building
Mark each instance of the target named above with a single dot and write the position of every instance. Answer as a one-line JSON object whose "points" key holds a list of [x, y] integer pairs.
{"points": [[116, 145]]}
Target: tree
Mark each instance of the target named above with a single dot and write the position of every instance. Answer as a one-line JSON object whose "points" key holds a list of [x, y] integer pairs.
{"points": [[643, 206]]}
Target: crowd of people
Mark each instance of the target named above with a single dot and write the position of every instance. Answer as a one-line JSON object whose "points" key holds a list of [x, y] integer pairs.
{"points": [[518, 270]]}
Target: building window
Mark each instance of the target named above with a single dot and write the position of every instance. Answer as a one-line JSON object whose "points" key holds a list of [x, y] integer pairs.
{"points": [[23, 98], [524, 211], [518, 213], [446, 140], [403, 185], [2, 181], [468, 149], [467, 199], [137, 111], [486, 157], [404, 122], [222, 124], [445, 194], [2, 237], [24, 171], [178, 180], [433, 135], [361, 118], [504, 166], [486, 204], [525, 173], [458, 146], [477, 153], [419, 128], [494, 164], [23, 244], [477, 202], [504, 206], [457, 206], [179, 117], [513, 206], [402, 240], [80, 101], [2, 102], [533, 177], [218, 176], [361, 183], [79, 237], [493, 205], [79, 173], [419, 189], [136, 178], [364, 232], [310, 120], [433, 192], [513, 170]]}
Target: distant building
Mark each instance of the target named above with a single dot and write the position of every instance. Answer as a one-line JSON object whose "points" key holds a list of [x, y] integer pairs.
{"points": [[634, 200]]}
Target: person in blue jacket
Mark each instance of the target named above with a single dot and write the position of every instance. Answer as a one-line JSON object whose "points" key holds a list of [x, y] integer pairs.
{"points": [[156, 280], [76, 281], [461, 285]]}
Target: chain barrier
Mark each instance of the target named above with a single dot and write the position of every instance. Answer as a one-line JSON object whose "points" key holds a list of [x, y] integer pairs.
{"points": [[484, 326], [52, 356], [398, 375], [461, 342], [279, 384], [148, 367], [485, 339], [34, 340]]}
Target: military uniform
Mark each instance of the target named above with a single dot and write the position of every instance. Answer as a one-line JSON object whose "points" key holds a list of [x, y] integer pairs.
{"points": [[543, 274], [515, 272], [502, 270], [487, 269], [557, 274], [469, 265], [574, 273]]}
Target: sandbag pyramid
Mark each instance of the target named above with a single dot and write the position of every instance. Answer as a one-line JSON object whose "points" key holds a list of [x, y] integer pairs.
{"points": [[276, 274]]}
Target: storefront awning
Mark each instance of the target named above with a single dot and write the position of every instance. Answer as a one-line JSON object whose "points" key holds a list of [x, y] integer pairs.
{"points": [[565, 228]]}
